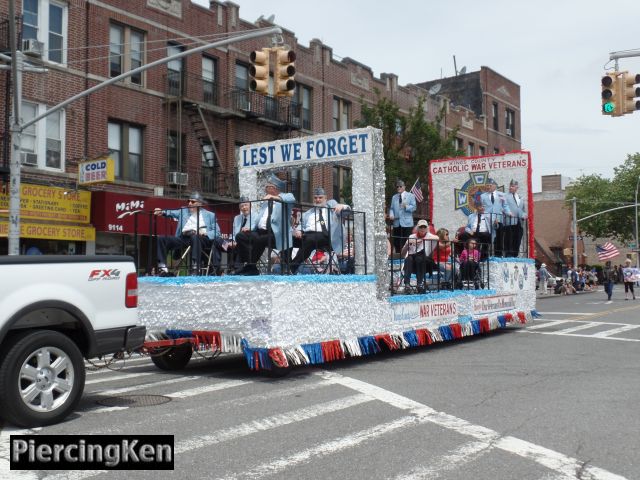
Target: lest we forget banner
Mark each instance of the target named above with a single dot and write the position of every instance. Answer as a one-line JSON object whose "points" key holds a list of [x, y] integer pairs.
{"points": [[456, 183]]}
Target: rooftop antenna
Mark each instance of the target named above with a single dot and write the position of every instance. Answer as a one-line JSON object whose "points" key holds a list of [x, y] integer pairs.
{"points": [[455, 67]]}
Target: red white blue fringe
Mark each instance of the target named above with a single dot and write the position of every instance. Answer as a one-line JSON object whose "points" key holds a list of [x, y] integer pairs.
{"points": [[332, 350]]}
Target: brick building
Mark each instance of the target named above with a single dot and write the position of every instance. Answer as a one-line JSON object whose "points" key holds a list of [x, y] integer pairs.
{"points": [[177, 127]]}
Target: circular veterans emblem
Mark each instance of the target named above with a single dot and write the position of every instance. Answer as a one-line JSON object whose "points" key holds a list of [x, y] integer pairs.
{"points": [[466, 197]]}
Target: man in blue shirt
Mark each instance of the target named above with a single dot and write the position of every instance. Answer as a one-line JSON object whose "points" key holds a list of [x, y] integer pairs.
{"points": [[403, 204]]}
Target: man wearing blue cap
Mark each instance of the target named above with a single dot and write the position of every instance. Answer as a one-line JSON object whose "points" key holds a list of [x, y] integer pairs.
{"points": [[403, 204], [196, 227], [270, 227], [320, 228]]}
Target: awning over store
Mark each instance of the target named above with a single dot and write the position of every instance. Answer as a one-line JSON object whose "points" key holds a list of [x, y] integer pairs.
{"points": [[127, 213]]}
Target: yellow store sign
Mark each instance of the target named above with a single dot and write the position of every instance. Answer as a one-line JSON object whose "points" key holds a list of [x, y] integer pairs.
{"points": [[51, 203], [51, 232]]}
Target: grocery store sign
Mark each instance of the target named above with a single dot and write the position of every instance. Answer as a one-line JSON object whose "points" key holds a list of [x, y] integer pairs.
{"points": [[51, 203], [72, 233]]}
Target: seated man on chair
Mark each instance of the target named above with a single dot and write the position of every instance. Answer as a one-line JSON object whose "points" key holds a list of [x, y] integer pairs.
{"points": [[267, 229], [240, 222], [320, 228], [196, 228]]}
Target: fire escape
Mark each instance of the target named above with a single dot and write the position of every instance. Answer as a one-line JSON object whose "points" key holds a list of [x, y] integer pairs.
{"points": [[197, 101]]}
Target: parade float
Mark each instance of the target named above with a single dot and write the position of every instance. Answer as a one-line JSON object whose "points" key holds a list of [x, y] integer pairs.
{"points": [[279, 321]]}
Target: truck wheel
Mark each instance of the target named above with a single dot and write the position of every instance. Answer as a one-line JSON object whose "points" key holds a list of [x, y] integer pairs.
{"points": [[41, 378], [175, 359]]}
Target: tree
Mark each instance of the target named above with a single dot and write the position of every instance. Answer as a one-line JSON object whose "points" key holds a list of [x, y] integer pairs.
{"points": [[595, 194], [410, 142]]}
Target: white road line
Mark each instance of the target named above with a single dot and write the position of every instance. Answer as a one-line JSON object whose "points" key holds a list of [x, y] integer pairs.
{"points": [[271, 422], [451, 461], [120, 377], [142, 386], [615, 331], [547, 324], [584, 326], [182, 394], [581, 336], [556, 461], [331, 447], [5, 472], [565, 313]]}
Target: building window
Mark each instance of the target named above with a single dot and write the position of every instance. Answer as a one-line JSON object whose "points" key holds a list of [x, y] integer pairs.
{"points": [[341, 116], [300, 184], [126, 52], [458, 143], [496, 150], [471, 149], [494, 113], [342, 184], [46, 21], [175, 69], [125, 147], [302, 104], [482, 150], [210, 155], [43, 142], [209, 91], [510, 122], [242, 87], [175, 151]]}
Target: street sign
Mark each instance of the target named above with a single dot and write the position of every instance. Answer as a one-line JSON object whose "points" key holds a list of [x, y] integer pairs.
{"points": [[571, 237]]}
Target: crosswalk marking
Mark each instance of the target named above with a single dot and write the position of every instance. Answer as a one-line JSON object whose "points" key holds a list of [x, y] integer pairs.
{"points": [[615, 331], [119, 377], [584, 326], [142, 386], [274, 421], [551, 459], [332, 446]]}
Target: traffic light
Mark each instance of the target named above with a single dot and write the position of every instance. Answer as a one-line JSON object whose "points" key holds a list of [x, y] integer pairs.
{"points": [[609, 94], [285, 83], [629, 82], [259, 70]]}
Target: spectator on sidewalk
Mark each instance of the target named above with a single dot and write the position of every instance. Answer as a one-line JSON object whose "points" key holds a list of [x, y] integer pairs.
{"points": [[544, 278]]}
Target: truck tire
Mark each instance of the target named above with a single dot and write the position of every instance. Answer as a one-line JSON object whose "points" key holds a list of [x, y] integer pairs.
{"points": [[41, 378], [176, 358]]}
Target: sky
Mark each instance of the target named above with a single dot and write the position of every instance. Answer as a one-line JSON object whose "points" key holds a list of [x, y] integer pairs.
{"points": [[556, 50]]}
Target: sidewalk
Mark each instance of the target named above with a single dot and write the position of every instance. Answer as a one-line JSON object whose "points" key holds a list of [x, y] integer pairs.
{"points": [[539, 294]]}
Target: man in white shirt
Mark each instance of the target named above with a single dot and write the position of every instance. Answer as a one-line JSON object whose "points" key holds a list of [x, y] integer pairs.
{"points": [[196, 227], [320, 228], [480, 227], [417, 251]]}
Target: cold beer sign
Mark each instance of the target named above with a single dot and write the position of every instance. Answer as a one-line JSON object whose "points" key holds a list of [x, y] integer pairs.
{"points": [[96, 171]]}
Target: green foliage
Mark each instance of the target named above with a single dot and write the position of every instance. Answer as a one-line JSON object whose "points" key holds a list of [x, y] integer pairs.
{"points": [[410, 142], [596, 194]]}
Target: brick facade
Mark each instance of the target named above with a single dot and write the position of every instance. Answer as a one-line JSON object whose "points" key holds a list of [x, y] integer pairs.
{"points": [[152, 107]]}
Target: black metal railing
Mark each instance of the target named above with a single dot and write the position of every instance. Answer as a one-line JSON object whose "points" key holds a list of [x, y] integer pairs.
{"points": [[225, 252]]}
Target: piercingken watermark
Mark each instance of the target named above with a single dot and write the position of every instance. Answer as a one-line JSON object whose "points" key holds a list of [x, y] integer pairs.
{"points": [[91, 452]]}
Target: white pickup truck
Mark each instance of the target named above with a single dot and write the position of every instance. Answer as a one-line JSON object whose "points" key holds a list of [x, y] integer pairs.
{"points": [[55, 310]]}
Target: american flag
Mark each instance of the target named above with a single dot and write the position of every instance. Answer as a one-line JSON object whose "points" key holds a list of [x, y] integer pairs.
{"points": [[607, 251], [417, 191]]}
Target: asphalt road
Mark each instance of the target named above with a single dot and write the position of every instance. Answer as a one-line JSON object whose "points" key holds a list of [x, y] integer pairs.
{"points": [[557, 399]]}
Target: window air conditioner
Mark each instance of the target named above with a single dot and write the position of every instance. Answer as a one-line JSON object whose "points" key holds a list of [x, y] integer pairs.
{"points": [[508, 131], [32, 47], [177, 178], [28, 158]]}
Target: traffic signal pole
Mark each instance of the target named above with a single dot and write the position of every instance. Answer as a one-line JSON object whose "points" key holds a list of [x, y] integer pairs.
{"points": [[17, 65]]}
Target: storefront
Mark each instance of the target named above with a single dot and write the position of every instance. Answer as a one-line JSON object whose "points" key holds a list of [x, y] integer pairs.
{"points": [[52, 221], [125, 224]]}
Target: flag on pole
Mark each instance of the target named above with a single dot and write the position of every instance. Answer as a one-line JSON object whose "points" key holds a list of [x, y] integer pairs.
{"points": [[417, 191], [607, 251]]}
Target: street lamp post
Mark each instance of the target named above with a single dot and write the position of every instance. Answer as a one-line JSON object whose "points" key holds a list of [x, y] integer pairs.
{"points": [[637, 246]]}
